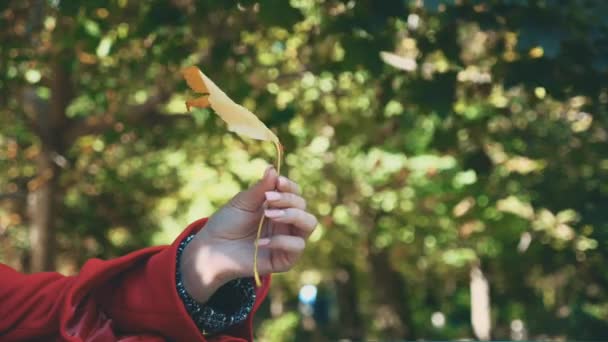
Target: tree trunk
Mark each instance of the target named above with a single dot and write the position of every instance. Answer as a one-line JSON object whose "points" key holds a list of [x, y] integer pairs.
{"points": [[390, 292], [350, 321], [41, 207], [44, 195]]}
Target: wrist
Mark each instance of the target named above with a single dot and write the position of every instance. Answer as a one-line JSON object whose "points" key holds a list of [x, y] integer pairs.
{"points": [[202, 273]]}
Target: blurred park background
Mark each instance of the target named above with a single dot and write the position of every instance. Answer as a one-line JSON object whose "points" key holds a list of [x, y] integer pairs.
{"points": [[460, 178]]}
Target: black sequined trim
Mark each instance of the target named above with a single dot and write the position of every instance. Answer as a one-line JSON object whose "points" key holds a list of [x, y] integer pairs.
{"points": [[213, 317]]}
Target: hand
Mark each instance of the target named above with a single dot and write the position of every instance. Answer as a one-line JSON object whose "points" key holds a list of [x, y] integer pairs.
{"points": [[223, 250]]}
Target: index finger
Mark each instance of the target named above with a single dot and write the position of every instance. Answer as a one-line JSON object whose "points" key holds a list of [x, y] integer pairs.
{"points": [[287, 185]]}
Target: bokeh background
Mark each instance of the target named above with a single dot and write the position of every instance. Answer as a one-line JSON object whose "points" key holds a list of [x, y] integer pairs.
{"points": [[461, 188]]}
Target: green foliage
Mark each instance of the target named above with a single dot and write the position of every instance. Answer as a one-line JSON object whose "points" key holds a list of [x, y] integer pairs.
{"points": [[491, 152], [281, 328]]}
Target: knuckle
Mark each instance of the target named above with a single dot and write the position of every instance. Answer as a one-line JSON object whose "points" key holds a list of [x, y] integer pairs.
{"points": [[239, 203]]}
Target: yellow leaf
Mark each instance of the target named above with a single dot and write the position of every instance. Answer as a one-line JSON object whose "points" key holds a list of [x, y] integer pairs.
{"points": [[239, 119]]}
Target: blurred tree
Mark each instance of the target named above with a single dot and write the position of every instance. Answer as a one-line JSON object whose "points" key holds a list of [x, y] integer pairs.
{"points": [[483, 152]]}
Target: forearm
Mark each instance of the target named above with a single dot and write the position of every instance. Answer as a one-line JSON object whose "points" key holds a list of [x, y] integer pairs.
{"points": [[135, 295]]}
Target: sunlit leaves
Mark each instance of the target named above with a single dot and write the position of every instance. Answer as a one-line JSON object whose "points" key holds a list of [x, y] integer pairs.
{"points": [[490, 149]]}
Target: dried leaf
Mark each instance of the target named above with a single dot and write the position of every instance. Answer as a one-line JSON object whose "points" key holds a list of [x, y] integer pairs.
{"points": [[239, 119], [201, 102], [194, 79]]}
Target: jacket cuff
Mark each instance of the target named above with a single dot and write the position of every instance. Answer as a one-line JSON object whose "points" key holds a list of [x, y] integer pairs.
{"points": [[145, 299], [228, 306]]}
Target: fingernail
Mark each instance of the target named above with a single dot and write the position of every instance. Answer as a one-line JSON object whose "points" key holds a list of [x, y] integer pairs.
{"points": [[282, 180], [273, 213], [272, 196], [263, 241]]}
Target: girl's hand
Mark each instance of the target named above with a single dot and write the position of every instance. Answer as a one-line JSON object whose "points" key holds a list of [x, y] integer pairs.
{"points": [[223, 250]]}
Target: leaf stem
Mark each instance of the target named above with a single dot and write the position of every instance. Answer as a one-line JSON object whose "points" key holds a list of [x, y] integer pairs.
{"points": [[256, 273]]}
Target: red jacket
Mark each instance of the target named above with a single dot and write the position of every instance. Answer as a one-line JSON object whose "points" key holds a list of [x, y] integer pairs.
{"points": [[131, 298]]}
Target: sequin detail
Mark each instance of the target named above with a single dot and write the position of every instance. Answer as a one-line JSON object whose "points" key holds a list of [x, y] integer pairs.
{"points": [[210, 319]]}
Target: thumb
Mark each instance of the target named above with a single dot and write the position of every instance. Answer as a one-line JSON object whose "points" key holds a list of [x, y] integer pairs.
{"points": [[253, 198]]}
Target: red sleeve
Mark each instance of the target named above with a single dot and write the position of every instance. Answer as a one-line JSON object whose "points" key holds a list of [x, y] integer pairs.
{"points": [[128, 298]]}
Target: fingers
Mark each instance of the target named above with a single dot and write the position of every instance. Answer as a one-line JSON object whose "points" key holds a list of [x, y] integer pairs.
{"points": [[300, 219], [287, 185], [287, 243], [253, 198], [285, 200]]}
